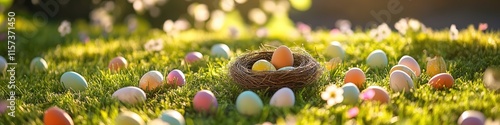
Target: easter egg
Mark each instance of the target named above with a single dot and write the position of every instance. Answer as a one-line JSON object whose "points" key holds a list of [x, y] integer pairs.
{"points": [[400, 81], [193, 57], [157, 121], [205, 101], [442, 80], [284, 97], [333, 63], [403, 68], [56, 116], [128, 118], [130, 95], [117, 63], [411, 63], [176, 77], [249, 103], [377, 59], [74, 81], [286, 68], [172, 117], [38, 64], [263, 65], [151, 80], [3, 65], [435, 66], [491, 78], [282, 57], [356, 76], [375, 93], [351, 94], [335, 50], [221, 50], [471, 117]]}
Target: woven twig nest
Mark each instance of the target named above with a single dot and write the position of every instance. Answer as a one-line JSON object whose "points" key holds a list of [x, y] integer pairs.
{"points": [[307, 71]]}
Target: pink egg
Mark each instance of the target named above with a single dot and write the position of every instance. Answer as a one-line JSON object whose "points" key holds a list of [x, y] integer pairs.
{"points": [[193, 57], [205, 101], [176, 77], [471, 117], [117, 63], [410, 63]]}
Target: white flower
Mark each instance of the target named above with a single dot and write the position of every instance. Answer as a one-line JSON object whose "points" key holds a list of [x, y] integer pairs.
{"points": [[257, 16], [199, 11], [64, 28], [181, 24], [401, 26], [453, 32], [344, 26], [168, 26], [414, 24], [154, 45], [332, 95], [227, 5]]}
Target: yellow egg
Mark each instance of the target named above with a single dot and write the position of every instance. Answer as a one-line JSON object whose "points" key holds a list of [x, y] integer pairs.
{"points": [[263, 65], [333, 63], [435, 66], [282, 57]]}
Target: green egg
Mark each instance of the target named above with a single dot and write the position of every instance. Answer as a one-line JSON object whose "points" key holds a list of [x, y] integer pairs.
{"points": [[249, 103], [73, 81]]}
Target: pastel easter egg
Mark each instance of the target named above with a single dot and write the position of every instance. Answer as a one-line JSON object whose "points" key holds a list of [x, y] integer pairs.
{"points": [[38, 64], [335, 50], [130, 95], [282, 57], [375, 93], [286, 68], [176, 77], [56, 116], [403, 68], [129, 118], [491, 78], [356, 76], [400, 81], [172, 117], [263, 65], [193, 57], [411, 63], [377, 59], [471, 117], [117, 63], [151, 80], [249, 103], [73, 81], [435, 66], [204, 101], [157, 121], [3, 65], [442, 80], [333, 63], [221, 50], [351, 94], [284, 97]]}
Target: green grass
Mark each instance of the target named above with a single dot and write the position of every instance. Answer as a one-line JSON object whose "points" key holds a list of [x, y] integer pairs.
{"points": [[466, 58]]}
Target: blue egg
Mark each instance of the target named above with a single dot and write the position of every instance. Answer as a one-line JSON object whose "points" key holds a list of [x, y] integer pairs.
{"points": [[377, 59], [249, 103], [3, 65], [73, 81], [172, 117], [221, 50], [351, 94]]}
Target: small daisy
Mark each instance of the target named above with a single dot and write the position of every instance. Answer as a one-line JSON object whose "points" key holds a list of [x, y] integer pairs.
{"points": [[332, 95], [154, 45], [414, 24], [383, 31], [303, 28], [64, 28], [453, 32], [257, 16], [482, 26], [344, 26], [402, 26]]}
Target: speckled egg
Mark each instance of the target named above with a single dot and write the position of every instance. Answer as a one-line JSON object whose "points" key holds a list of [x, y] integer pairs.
{"points": [[435, 66], [471, 117], [176, 77], [73, 81], [151, 80], [400, 81], [335, 50], [249, 103], [282, 57], [491, 78], [38, 64], [263, 65], [286, 68], [377, 59], [405, 69], [193, 57], [172, 117], [333, 63], [356, 76], [56, 116], [117, 63], [375, 93], [411, 63], [284, 97], [351, 94], [130, 95], [221, 50], [129, 118], [157, 121], [204, 101], [3, 65], [442, 80]]}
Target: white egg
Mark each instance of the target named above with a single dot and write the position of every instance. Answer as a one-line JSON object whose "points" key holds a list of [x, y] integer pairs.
{"points": [[3, 65], [400, 81], [130, 95], [411, 63], [221, 50], [284, 97], [405, 69], [151, 80], [351, 94], [377, 59], [335, 50], [129, 118], [172, 117], [38, 64]]}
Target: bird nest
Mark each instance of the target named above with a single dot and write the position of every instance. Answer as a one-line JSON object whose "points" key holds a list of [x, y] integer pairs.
{"points": [[307, 70]]}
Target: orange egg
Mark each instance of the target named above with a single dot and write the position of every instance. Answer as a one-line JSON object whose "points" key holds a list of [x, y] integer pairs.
{"points": [[282, 57], [56, 116], [435, 65], [117, 63], [375, 93], [442, 80], [356, 76]]}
